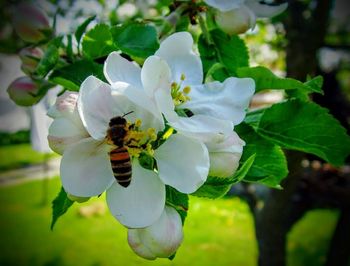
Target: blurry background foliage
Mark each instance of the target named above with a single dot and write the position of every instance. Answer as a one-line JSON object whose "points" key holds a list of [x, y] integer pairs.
{"points": [[299, 225]]}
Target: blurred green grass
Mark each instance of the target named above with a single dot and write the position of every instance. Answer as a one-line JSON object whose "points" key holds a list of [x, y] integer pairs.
{"points": [[20, 155], [217, 232]]}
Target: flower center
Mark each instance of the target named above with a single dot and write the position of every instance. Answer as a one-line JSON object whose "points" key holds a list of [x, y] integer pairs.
{"points": [[122, 133], [179, 95], [138, 141]]}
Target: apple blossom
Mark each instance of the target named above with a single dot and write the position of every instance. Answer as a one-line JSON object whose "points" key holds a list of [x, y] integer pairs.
{"points": [[238, 16], [159, 240], [30, 57], [24, 91], [31, 23], [177, 86], [66, 128], [79, 131]]}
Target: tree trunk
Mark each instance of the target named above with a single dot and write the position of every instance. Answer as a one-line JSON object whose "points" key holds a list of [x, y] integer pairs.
{"points": [[305, 36], [272, 222]]}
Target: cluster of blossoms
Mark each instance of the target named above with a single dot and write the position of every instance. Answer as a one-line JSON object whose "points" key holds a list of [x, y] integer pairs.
{"points": [[186, 127], [238, 16]]}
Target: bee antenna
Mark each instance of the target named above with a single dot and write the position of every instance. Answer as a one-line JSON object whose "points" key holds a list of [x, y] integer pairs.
{"points": [[128, 113]]}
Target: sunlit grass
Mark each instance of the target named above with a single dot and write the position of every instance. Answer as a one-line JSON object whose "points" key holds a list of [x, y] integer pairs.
{"points": [[308, 241], [217, 232], [20, 155]]}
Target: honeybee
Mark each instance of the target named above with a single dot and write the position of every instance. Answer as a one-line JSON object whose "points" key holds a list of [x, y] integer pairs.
{"points": [[119, 157]]}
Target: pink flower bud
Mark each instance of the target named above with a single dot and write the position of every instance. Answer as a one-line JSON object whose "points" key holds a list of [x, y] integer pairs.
{"points": [[31, 23], [161, 239], [30, 57], [236, 21], [65, 105], [67, 127], [24, 91]]}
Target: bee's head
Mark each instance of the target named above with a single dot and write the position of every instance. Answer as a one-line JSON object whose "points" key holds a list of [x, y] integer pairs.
{"points": [[118, 120]]}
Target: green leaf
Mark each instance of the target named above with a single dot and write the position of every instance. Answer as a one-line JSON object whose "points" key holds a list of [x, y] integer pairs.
{"points": [[69, 49], [265, 79], [82, 27], [253, 117], [177, 200], [307, 127], [71, 76], [316, 84], [98, 42], [136, 39], [216, 187], [172, 256], [49, 59], [270, 165], [60, 205], [146, 161], [230, 51]]}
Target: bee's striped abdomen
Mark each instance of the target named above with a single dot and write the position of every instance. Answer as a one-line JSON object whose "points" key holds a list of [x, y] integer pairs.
{"points": [[121, 165]]}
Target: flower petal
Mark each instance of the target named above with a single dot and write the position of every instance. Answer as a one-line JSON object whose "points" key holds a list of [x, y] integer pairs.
{"points": [[130, 99], [64, 132], [155, 75], [224, 5], [161, 239], [224, 161], [177, 51], [85, 168], [142, 202], [65, 105], [228, 140], [228, 100], [183, 163], [236, 21], [165, 104], [138, 247], [117, 68], [264, 10], [95, 106], [67, 127], [203, 128]]}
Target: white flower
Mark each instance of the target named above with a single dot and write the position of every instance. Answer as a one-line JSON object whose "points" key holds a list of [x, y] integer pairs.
{"points": [[238, 16], [176, 85], [79, 131], [67, 128], [161, 239]]}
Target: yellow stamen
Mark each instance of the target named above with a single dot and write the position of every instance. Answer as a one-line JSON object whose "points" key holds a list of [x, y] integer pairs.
{"points": [[138, 123], [187, 90], [168, 133], [173, 85]]}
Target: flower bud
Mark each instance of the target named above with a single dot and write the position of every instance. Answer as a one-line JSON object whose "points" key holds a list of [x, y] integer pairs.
{"points": [[67, 127], [224, 160], [31, 23], [223, 164], [236, 21], [161, 239], [24, 91], [65, 105], [77, 199], [30, 57]]}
